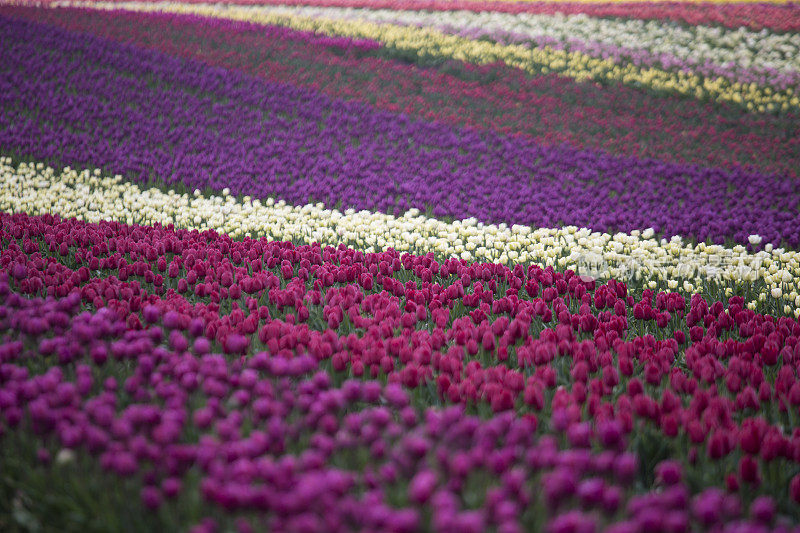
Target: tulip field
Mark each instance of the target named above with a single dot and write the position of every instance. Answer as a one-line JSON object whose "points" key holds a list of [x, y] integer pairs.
{"points": [[400, 265]]}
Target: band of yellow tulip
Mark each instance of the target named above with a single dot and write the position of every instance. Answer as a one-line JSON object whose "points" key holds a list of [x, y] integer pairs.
{"points": [[430, 43]]}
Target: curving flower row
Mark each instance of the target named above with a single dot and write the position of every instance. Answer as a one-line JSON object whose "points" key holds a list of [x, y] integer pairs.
{"points": [[738, 55], [549, 109], [431, 44], [248, 375], [671, 265], [757, 16], [90, 102], [311, 272]]}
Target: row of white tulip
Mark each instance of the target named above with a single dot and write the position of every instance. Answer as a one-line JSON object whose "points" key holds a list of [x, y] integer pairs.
{"points": [[656, 263], [744, 55], [695, 45], [432, 43]]}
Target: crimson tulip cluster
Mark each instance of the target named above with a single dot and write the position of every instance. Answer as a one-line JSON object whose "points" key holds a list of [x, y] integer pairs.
{"points": [[154, 378], [268, 366]]}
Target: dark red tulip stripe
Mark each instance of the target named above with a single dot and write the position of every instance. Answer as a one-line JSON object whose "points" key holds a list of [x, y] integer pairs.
{"points": [[296, 387], [548, 109]]}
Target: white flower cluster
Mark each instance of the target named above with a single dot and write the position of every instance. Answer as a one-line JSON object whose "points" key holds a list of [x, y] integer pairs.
{"points": [[775, 92], [695, 44], [673, 264], [669, 45]]}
